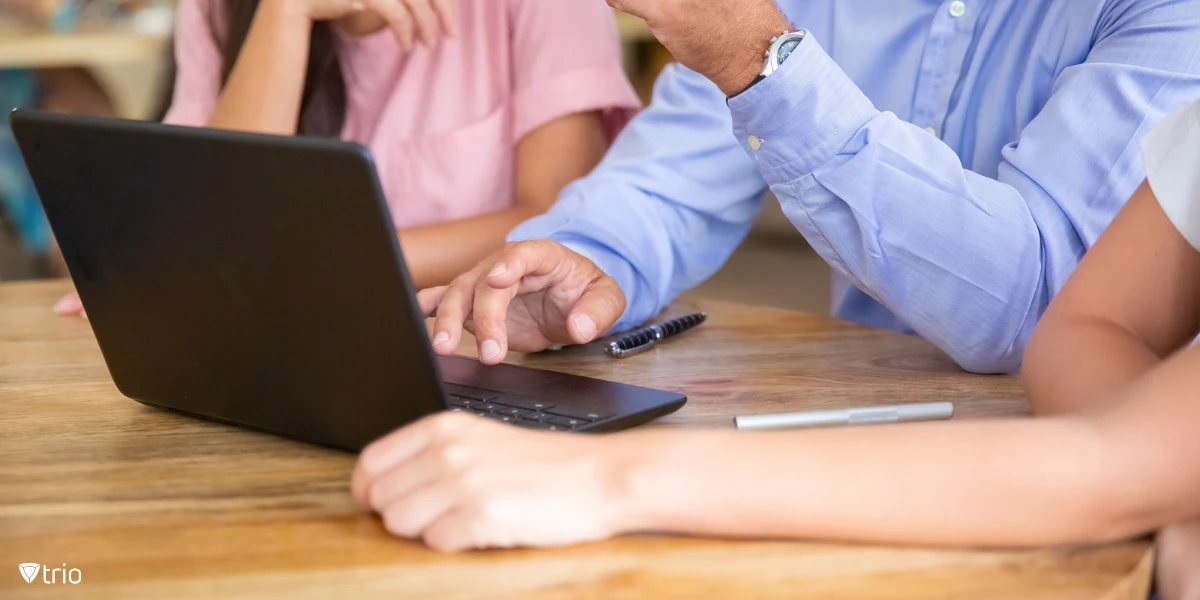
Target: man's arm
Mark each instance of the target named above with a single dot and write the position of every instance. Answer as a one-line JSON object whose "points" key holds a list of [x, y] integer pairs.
{"points": [[670, 202], [969, 262]]}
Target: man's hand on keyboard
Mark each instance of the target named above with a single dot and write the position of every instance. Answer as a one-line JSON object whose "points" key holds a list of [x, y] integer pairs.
{"points": [[527, 297]]}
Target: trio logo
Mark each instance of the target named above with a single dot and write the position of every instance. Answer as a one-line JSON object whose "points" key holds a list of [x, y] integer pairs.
{"points": [[29, 571]]}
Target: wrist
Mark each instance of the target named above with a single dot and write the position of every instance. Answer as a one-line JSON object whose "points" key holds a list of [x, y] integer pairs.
{"points": [[648, 473], [743, 63], [286, 11]]}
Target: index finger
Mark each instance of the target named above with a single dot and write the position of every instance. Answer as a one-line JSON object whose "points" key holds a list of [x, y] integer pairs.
{"points": [[447, 15], [534, 258]]}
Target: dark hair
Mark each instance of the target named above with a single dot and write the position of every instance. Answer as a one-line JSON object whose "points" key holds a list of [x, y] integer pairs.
{"points": [[323, 103]]}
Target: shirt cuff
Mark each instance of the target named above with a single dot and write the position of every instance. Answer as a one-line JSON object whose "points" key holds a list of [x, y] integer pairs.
{"points": [[602, 256], [1171, 152], [800, 116]]}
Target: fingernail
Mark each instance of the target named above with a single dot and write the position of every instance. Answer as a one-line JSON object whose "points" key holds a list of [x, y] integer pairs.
{"points": [[489, 350], [62, 305], [498, 270], [585, 326], [441, 338], [358, 6]]}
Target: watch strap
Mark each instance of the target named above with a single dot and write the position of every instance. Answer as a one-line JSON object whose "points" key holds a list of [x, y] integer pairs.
{"points": [[747, 88]]}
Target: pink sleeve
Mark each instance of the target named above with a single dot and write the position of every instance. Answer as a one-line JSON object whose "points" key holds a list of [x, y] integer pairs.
{"points": [[566, 60], [197, 65]]}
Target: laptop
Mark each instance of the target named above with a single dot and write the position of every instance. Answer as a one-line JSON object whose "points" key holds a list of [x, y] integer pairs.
{"points": [[258, 281]]}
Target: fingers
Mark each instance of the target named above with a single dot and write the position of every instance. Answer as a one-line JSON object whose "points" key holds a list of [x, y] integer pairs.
{"points": [[425, 20], [539, 264], [454, 532], [448, 16], [396, 448], [596, 311], [412, 516], [535, 258], [452, 311], [491, 321], [430, 299], [400, 481], [399, 20]]}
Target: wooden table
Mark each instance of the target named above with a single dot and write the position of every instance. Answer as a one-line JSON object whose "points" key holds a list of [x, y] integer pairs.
{"points": [[148, 504]]}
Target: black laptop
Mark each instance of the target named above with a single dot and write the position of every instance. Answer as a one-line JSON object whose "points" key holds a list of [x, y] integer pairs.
{"points": [[257, 280]]}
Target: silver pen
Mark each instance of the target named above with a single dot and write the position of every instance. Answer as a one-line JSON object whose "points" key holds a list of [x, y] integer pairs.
{"points": [[904, 413]]}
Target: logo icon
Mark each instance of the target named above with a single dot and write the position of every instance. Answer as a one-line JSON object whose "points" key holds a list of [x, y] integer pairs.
{"points": [[29, 571]]}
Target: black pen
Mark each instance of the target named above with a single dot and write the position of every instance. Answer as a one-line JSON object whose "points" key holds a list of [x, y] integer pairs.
{"points": [[640, 340]]}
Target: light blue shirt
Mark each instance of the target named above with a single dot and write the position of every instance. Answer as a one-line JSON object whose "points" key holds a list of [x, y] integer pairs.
{"points": [[952, 161]]}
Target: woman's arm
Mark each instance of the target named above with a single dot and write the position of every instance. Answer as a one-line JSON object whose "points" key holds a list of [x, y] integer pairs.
{"points": [[1134, 300], [461, 482], [1120, 472], [263, 93], [547, 160]]}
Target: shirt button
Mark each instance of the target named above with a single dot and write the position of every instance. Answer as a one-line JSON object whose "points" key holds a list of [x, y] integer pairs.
{"points": [[755, 143], [931, 131], [958, 8]]}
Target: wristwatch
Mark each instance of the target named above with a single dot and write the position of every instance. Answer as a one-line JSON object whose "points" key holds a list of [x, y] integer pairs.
{"points": [[781, 48]]}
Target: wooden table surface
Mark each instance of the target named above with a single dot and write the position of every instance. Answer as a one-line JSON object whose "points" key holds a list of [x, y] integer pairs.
{"points": [[148, 504]]}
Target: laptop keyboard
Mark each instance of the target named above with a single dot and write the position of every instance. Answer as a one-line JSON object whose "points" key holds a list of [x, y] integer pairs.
{"points": [[531, 414]]}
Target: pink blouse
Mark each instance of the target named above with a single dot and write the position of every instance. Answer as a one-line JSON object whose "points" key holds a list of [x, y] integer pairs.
{"points": [[443, 122]]}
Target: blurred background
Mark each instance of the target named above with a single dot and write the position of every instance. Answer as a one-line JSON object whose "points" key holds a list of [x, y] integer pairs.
{"points": [[113, 58]]}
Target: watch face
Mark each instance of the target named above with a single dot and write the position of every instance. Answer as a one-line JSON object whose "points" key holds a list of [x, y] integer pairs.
{"points": [[786, 49]]}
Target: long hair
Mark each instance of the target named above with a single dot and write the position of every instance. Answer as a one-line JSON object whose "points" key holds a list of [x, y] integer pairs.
{"points": [[323, 103]]}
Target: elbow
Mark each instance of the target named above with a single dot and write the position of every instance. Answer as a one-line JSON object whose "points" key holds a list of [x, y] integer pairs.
{"points": [[992, 346], [984, 360]]}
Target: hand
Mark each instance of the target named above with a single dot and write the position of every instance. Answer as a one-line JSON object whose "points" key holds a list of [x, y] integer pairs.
{"points": [[527, 297], [408, 19], [460, 482], [70, 306], [724, 40]]}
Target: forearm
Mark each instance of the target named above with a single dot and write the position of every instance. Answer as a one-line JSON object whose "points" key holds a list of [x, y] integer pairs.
{"points": [[263, 93], [1012, 483], [1112, 473], [440, 252]]}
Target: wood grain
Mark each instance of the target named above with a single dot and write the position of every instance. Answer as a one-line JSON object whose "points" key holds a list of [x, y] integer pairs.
{"points": [[149, 504]]}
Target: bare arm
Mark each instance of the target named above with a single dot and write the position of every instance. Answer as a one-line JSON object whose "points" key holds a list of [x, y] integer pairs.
{"points": [[1110, 474], [547, 160], [264, 90], [1133, 301], [1059, 480]]}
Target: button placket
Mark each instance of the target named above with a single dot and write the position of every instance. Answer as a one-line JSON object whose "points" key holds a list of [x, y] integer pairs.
{"points": [[942, 66]]}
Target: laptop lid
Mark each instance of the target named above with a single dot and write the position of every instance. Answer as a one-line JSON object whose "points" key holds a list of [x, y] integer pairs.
{"points": [[245, 278]]}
